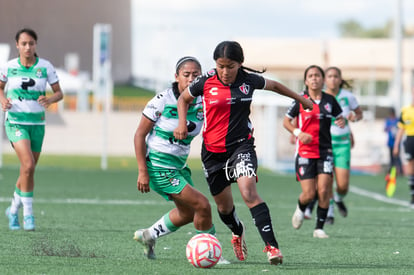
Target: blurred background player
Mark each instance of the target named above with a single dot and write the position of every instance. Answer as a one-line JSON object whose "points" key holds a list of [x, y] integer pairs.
{"points": [[314, 158], [162, 160], [228, 150], [25, 102], [391, 128], [406, 127], [342, 140]]}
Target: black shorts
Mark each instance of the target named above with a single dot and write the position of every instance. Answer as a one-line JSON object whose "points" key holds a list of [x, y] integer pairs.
{"points": [[310, 168], [222, 169], [409, 147]]}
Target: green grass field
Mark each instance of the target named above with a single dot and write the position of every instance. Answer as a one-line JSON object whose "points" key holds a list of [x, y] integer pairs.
{"points": [[85, 220]]}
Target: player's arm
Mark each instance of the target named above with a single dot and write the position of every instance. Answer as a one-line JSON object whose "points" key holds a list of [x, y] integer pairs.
{"points": [[279, 88], [398, 138], [144, 127], [183, 103], [5, 102], [57, 95], [355, 115], [289, 125]]}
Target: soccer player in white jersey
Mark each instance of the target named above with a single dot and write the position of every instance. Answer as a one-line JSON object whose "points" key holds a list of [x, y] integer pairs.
{"points": [[162, 160], [25, 102], [342, 139]]}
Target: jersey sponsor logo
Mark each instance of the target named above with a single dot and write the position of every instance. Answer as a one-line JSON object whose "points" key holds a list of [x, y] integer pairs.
{"points": [[303, 161], [213, 91], [244, 157], [231, 100], [242, 169], [266, 228], [244, 88]]}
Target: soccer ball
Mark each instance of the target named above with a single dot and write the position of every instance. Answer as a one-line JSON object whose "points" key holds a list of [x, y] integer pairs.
{"points": [[203, 250]]}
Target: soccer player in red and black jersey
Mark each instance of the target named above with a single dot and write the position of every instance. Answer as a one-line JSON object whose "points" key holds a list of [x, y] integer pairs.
{"points": [[314, 159], [228, 153]]}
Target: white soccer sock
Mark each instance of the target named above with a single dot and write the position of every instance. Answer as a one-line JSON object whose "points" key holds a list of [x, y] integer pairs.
{"points": [[331, 208], [162, 227], [15, 204], [27, 205]]}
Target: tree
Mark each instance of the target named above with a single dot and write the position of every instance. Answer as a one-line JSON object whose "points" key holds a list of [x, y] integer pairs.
{"points": [[352, 28]]}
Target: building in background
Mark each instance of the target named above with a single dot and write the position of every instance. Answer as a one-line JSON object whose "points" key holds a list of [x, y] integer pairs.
{"points": [[66, 27]]}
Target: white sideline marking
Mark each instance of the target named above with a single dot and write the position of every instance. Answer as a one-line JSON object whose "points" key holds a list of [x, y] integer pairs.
{"points": [[93, 201], [353, 189], [377, 196]]}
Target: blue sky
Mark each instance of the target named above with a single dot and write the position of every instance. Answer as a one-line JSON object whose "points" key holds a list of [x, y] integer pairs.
{"points": [[165, 30]]}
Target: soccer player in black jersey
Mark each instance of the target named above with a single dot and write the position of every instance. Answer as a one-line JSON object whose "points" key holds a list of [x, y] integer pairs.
{"points": [[314, 158], [228, 151]]}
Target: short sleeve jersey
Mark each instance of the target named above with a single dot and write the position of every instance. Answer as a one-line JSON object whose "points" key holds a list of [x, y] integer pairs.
{"points": [[406, 121], [226, 108], [348, 103], [24, 86], [163, 149], [316, 123]]}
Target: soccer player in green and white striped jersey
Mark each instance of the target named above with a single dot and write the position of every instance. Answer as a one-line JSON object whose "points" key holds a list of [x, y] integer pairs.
{"points": [[162, 160], [25, 102]]}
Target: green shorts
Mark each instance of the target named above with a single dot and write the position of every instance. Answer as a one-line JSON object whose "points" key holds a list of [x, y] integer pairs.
{"points": [[168, 181], [34, 133], [342, 155]]}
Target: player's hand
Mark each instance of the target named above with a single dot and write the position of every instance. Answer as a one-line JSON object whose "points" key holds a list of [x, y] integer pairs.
{"points": [[307, 104], [6, 104], [143, 182], [305, 138], [43, 101], [340, 122], [181, 132]]}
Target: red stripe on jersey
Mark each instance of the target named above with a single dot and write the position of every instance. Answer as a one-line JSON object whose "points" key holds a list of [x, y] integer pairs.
{"points": [[309, 122], [216, 115]]}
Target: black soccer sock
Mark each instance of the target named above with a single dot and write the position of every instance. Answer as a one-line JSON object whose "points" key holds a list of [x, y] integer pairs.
{"points": [[311, 205], [321, 214], [232, 222], [411, 184], [302, 206], [261, 218]]}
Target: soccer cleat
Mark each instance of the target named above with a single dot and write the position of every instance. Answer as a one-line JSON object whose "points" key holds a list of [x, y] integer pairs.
{"points": [[329, 220], [297, 218], [239, 245], [274, 256], [223, 261], [342, 208], [28, 223], [320, 234], [143, 236], [308, 214], [13, 220]]}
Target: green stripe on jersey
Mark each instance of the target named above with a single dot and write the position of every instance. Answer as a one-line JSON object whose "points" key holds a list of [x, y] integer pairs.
{"points": [[170, 111], [33, 72], [166, 160], [27, 118], [25, 94], [170, 137]]}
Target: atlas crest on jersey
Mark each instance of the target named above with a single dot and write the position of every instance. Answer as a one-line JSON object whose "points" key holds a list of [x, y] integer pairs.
{"points": [[211, 72], [328, 107], [244, 89]]}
